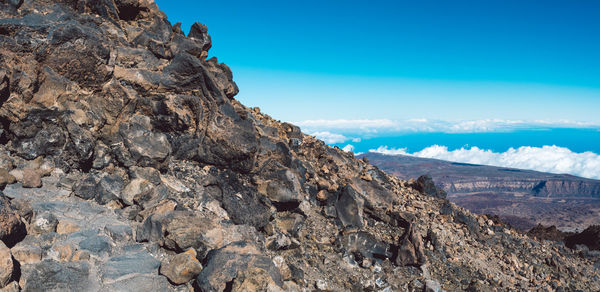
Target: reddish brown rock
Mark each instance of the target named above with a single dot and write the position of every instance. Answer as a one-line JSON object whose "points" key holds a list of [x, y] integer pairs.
{"points": [[182, 268], [31, 178]]}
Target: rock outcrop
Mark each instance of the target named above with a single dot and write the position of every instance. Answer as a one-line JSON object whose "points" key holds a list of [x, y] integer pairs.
{"points": [[135, 169]]}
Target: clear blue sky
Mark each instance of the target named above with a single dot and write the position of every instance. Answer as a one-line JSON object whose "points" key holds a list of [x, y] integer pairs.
{"points": [[448, 60]]}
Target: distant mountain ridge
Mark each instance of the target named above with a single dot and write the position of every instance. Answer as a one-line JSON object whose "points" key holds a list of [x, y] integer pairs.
{"points": [[522, 197], [457, 178]]}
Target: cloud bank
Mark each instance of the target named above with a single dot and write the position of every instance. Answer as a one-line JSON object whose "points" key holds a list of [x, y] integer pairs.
{"points": [[370, 128], [551, 159]]}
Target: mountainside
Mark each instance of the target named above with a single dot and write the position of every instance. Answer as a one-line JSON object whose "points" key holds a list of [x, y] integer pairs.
{"points": [[127, 165], [523, 198]]}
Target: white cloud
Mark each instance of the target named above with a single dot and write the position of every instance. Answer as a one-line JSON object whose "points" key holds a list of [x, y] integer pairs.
{"points": [[377, 126], [348, 148], [551, 159], [330, 138]]}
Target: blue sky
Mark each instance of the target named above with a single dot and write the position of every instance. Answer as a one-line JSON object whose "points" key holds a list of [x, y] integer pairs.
{"points": [[358, 73], [446, 60]]}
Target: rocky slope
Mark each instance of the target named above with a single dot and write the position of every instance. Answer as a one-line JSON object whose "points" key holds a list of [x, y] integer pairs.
{"points": [[522, 198], [127, 165]]}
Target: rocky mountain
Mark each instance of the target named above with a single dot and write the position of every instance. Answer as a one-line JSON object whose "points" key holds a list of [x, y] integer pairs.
{"points": [[523, 198], [127, 165]]}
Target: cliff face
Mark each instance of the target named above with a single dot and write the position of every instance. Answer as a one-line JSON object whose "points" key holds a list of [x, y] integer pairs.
{"points": [[461, 178], [522, 198], [127, 165]]}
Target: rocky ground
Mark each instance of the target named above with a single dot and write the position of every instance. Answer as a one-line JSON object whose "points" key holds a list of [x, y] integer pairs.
{"points": [[127, 165]]}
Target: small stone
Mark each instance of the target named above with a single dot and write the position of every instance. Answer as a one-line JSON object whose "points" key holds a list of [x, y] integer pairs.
{"points": [[321, 285], [432, 286], [182, 268], [66, 227], [284, 269], [135, 188], [26, 253], [322, 195], [86, 188], [62, 252], [6, 178], [119, 232], [81, 255], [31, 178], [6, 265], [12, 229], [43, 223], [17, 174], [109, 189]]}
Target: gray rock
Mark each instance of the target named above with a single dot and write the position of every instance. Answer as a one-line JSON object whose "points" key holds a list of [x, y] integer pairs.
{"points": [[146, 147], [108, 189], [96, 244], [86, 188], [119, 233], [135, 188], [43, 223], [139, 283], [50, 275], [129, 265]]}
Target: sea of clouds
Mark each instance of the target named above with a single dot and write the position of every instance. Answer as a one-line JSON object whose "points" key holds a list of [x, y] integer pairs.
{"points": [[551, 159]]}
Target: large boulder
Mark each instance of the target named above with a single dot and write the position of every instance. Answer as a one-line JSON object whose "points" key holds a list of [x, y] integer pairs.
{"points": [[235, 261], [181, 230], [50, 275]]}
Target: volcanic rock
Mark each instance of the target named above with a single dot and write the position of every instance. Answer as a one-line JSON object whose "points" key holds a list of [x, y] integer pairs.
{"points": [[144, 153], [182, 267], [6, 265]]}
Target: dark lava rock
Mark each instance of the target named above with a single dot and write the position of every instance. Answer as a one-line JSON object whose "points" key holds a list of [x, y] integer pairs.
{"points": [[410, 248], [546, 233], [349, 207], [589, 237], [243, 204], [86, 188], [425, 185], [50, 275], [225, 264], [108, 189]]}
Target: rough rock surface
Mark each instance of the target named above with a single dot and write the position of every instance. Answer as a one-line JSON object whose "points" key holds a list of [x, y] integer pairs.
{"points": [[144, 154]]}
